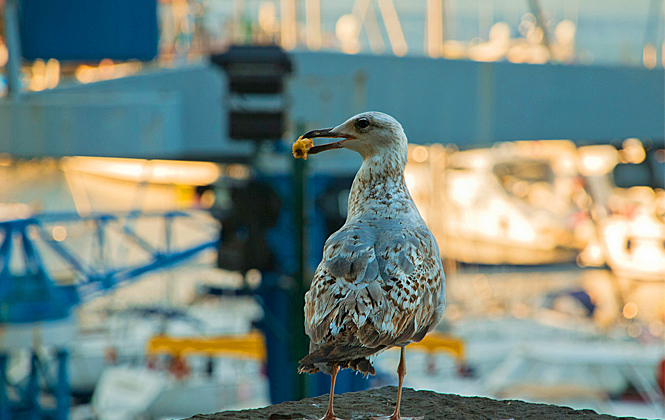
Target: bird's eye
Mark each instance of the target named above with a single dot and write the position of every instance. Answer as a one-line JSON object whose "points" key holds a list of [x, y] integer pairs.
{"points": [[362, 123]]}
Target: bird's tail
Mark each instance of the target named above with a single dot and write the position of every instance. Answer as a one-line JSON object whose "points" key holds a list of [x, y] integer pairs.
{"points": [[307, 368], [344, 356]]}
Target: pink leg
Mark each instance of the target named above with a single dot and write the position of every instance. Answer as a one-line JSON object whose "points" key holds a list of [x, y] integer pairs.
{"points": [[330, 415], [401, 372]]}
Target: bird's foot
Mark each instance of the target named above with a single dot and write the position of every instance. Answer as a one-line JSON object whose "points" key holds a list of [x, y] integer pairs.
{"points": [[396, 416], [330, 417]]}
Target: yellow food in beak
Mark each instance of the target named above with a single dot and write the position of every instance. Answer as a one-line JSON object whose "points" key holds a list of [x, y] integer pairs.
{"points": [[301, 147]]}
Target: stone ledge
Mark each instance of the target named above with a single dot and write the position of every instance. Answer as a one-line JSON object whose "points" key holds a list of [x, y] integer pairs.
{"points": [[431, 405]]}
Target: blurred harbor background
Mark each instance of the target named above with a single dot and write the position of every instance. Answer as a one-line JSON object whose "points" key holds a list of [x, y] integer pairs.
{"points": [[157, 237]]}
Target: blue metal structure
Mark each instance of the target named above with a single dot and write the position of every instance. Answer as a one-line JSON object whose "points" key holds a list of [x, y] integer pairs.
{"points": [[85, 30], [28, 406], [178, 113], [30, 297], [275, 297], [106, 278], [473, 103]]}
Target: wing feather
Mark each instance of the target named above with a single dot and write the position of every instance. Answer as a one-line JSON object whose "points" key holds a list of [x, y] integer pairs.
{"points": [[370, 293]]}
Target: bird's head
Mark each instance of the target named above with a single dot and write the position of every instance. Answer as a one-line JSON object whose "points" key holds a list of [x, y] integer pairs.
{"points": [[370, 134]]}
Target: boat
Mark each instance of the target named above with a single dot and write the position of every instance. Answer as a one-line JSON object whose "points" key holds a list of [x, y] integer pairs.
{"points": [[633, 241], [122, 338], [629, 222], [511, 204], [182, 377]]}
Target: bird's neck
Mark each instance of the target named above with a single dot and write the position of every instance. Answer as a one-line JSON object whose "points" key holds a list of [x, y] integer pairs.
{"points": [[379, 185]]}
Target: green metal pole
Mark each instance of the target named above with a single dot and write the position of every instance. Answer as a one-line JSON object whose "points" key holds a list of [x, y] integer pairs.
{"points": [[300, 342], [13, 48]]}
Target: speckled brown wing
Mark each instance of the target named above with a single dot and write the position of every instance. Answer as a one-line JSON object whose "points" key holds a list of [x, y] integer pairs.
{"points": [[373, 291], [412, 279]]}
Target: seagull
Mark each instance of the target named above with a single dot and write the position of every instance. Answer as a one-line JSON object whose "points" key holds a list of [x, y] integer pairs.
{"points": [[380, 283]]}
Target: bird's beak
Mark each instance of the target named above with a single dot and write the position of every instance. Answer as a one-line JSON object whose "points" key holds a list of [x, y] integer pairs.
{"points": [[327, 133]]}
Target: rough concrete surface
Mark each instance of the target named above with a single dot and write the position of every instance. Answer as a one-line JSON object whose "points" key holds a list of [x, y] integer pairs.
{"points": [[362, 405]]}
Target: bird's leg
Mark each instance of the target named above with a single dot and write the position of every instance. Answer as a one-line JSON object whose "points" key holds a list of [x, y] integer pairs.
{"points": [[330, 415], [401, 372]]}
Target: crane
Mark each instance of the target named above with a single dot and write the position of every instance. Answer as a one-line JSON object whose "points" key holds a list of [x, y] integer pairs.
{"points": [[36, 310]]}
